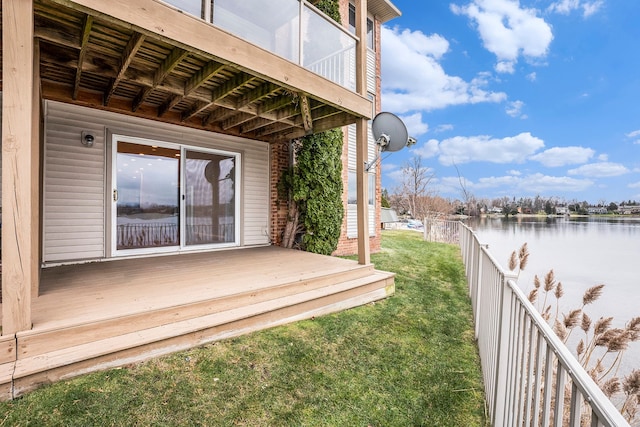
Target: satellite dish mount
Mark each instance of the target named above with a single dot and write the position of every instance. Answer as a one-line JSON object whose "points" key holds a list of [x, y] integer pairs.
{"points": [[390, 134]]}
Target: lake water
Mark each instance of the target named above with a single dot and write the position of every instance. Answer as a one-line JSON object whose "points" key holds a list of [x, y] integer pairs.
{"points": [[583, 252]]}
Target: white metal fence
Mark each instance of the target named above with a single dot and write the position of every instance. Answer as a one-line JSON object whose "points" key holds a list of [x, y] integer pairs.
{"points": [[442, 231], [530, 376]]}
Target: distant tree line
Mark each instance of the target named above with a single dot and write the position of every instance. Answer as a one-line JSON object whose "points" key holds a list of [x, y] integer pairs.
{"points": [[415, 197]]}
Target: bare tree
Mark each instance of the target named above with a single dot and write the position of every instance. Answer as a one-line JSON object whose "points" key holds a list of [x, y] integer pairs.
{"points": [[468, 199], [413, 195]]}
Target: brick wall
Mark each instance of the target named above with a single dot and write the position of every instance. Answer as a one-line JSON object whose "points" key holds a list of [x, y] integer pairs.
{"points": [[279, 162]]}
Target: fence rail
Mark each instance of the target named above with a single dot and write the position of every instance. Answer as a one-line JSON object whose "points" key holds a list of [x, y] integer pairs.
{"points": [[442, 231], [530, 377]]}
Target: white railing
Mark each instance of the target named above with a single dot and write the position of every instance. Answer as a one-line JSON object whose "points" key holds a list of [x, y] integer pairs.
{"points": [[292, 29], [441, 231], [524, 364]]}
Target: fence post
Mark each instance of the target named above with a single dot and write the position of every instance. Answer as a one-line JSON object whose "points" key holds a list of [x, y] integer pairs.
{"points": [[502, 353]]}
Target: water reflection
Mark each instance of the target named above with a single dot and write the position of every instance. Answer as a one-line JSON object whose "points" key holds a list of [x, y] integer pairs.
{"points": [[583, 252]]}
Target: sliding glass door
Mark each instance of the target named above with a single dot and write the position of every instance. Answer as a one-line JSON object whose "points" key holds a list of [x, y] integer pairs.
{"points": [[168, 197], [210, 194]]}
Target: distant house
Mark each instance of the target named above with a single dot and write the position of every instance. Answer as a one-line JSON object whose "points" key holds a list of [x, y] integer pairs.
{"points": [[562, 210], [142, 144], [629, 210], [596, 210]]}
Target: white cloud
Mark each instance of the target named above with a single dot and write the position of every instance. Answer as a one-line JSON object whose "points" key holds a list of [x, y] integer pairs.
{"points": [[415, 80], [565, 7], [634, 185], [428, 149], [514, 172], [444, 128], [389, 167], [634, 134], [508, 30], [591, 8], [600, 170], [514, 109], [603, 157], [483, 148], [536, 183], [415, 125], [561, 156], [532, 76]]}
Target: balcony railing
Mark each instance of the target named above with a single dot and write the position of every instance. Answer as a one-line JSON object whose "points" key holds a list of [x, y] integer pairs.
{"points": [[292, 29], [530, 376]]}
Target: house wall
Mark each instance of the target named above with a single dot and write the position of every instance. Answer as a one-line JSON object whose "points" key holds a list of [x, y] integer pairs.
{"points": [[348, 243], [0, 154], [77, 183]]}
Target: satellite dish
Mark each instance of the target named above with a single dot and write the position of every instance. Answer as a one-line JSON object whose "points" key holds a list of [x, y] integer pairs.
{"points": [[390, 132]]}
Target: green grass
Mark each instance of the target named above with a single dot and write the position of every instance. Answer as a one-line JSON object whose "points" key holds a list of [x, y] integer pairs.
{"points": [[409, 360]]}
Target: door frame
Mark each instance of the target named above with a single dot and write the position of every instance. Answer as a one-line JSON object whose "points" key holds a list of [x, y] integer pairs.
{"points": [[181, 247]]}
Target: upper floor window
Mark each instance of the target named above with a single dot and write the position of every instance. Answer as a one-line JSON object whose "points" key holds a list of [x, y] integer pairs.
{"points": [[352, 26]]}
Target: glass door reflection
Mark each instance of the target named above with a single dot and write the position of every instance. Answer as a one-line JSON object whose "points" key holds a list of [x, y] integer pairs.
{"points": [[147, 195], [210, 192]]}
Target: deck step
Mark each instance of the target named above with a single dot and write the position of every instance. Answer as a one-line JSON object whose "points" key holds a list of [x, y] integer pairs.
{"points": [[186, 333], [39, 340]]}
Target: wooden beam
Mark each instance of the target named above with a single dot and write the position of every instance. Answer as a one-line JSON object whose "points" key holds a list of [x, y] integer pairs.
{"points": [[362, 142], [254, 124], [127, 56], [174, 58], [255, 95], [305, 110], [20, 150], [218, 114], [236, 120], [197, 108], [229, 86], [84, 39], [202, 75], [165, 23], [169, 104]]}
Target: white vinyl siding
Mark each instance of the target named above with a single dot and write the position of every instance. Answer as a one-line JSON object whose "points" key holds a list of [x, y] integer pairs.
{"points": [[352, 221], [371, 71], [77, 185]]}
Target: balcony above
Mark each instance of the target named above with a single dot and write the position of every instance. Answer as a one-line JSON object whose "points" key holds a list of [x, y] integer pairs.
{"points": [[148, 58]]}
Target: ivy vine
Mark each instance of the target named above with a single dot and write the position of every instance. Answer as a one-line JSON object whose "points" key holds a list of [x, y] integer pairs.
{"points": [[313, 186]]}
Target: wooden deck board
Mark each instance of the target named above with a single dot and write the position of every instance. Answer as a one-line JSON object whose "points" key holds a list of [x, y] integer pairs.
{"points": [[89, 292], [104, 314]]}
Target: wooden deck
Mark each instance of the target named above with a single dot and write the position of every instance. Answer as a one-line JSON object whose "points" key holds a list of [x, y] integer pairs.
{"points": [[105, 314]]}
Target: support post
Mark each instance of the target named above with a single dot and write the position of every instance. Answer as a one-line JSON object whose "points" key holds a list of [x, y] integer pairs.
{"points": [[362, 184], [20, 171], [362, 155]]}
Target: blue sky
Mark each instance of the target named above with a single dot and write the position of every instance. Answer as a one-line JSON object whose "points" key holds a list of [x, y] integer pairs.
{"points": [[525, 98]]}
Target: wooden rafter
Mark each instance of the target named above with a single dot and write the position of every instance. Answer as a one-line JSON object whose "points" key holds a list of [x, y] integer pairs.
{"points": [[273, 104], [257, 94], [84, 39], [218, 94], [254, 124], [217, 115], [90, 55], [127, 56], [198, 79], [236, 120], [174, 58], [205, 73]]}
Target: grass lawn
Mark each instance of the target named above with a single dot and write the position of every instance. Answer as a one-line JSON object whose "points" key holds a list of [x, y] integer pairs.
{"points": [[409, 360]]}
